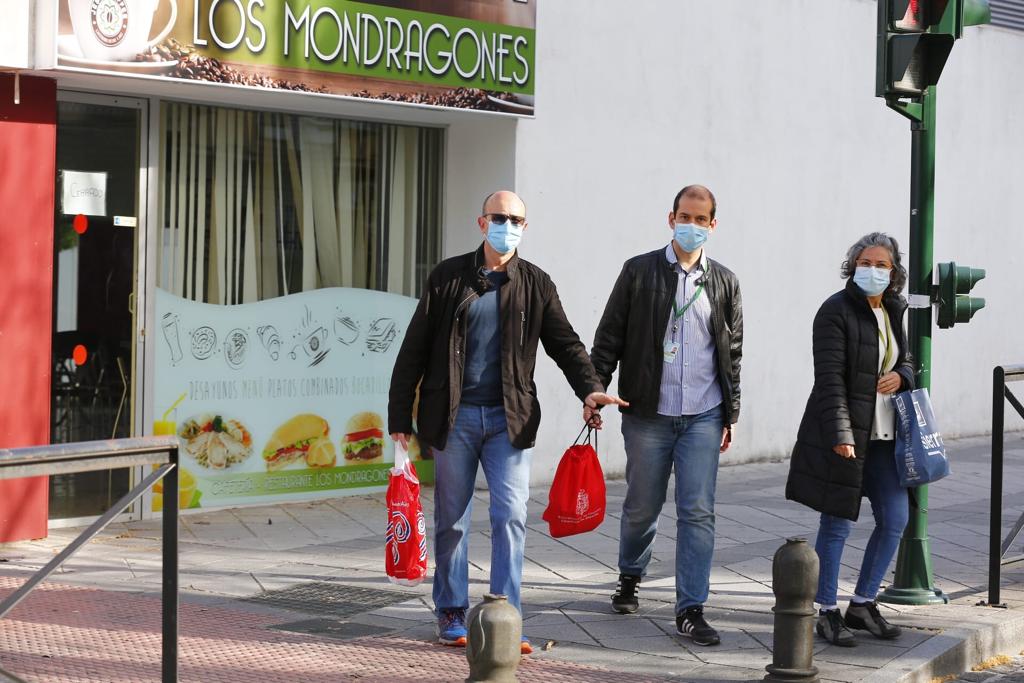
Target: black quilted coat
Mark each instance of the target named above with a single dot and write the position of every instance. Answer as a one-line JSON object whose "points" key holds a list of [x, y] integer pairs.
{"points": [[841, 407]]}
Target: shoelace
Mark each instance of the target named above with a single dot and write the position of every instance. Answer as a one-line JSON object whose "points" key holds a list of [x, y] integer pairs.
{"points": [[628, 584], [835, 621], [451, 618], [872, 609], [696, 617]]}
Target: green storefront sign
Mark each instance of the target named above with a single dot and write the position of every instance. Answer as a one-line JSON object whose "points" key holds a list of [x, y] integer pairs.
{"points": [[478, 54]]}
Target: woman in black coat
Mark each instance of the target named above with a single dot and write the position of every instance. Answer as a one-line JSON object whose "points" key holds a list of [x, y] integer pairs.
{"points": [[845, 446]]}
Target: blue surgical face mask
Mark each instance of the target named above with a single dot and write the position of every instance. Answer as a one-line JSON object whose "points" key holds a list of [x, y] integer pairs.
{"points": [[690, 237], [872, 281], [504, 237]]}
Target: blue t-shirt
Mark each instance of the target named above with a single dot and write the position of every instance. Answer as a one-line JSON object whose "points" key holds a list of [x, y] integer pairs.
{"points": [[481, 379]]}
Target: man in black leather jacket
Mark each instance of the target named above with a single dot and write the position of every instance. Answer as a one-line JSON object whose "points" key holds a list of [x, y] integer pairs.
{"points": [[674, 326], [470, 353]]}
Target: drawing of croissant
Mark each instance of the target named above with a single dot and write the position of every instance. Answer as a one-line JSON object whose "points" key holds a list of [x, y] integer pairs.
{"points": [[270, 339]]}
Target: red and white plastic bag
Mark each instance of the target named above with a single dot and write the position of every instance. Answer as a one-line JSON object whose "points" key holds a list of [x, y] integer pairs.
{"points": [[405, 541], [576, 502]]}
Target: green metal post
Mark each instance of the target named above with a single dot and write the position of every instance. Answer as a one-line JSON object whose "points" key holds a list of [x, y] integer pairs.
{"points": [[913, 584]]}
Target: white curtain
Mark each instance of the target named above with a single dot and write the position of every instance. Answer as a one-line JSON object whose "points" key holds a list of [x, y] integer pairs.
{"points": [[257, 205]]}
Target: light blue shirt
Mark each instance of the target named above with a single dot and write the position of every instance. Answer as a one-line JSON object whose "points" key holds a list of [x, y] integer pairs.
{"points": [[689, 383]]}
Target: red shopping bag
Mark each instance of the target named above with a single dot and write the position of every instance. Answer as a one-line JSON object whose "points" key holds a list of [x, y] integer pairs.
{"points": [[405, 541], [576, 502]]}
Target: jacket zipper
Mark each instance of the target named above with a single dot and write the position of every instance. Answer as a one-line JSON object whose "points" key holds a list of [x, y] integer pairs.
{"points": [[458, 350], [522, 329]]}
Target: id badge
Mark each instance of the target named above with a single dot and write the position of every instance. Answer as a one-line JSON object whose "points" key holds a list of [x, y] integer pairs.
{"points": [[670, 350]]}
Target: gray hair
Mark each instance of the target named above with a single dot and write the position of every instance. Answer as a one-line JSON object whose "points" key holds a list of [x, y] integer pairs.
{"points": [[876, 239]]}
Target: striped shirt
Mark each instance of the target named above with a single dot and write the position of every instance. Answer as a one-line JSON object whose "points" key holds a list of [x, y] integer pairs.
{"points": [[689, 381]]}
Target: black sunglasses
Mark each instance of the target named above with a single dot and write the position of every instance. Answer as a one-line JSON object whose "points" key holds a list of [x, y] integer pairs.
{"points": [[502, 218]]}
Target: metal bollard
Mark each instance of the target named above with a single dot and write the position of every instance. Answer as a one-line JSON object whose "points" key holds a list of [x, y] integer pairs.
{"points": [[494, 630], [794, 581]]}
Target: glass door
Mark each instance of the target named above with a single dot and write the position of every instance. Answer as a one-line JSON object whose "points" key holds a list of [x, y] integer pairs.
{"points": [[99, 192]]}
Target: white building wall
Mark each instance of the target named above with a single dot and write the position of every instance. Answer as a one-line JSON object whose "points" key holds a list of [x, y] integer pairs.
{"points": [[771, 104], [481, 157]]}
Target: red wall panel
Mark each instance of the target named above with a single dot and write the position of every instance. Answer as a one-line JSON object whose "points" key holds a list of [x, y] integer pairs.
{"points": [[28, 138]]}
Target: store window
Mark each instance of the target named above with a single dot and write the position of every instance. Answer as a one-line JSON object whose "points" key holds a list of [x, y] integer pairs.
{"points": [[258, 205], [290, 255]]}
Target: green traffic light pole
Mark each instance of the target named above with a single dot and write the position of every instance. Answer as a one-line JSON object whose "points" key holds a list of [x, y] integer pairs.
{"points": [[914, 584]]}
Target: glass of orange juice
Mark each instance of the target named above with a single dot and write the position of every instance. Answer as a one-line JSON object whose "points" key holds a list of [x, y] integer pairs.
{"points": [[164, 427], [161, 428]]}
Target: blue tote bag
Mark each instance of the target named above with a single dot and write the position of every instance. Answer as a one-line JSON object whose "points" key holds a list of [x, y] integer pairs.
{"points": [[920, 453]]}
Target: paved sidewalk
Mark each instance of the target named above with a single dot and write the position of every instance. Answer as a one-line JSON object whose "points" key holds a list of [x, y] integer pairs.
{"points": [[98, 620]]}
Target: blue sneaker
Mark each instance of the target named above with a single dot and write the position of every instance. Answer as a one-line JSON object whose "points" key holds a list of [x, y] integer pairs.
{"points": [[451, 627]]}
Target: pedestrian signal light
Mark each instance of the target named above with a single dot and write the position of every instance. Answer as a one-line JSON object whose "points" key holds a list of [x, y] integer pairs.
{"points": [[915, 38], [955, 282]]}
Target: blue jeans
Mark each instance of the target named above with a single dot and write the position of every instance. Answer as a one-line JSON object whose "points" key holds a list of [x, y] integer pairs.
{"points": [[891, 508], [653, 447], [479, 436]]}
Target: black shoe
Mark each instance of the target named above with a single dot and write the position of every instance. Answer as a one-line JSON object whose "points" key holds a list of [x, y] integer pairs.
{"points": [[691, 623], [865, 617], [625, 599], [832, 628]]}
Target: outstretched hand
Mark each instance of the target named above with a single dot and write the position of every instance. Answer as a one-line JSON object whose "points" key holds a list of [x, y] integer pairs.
{"points": [[592, 407]]}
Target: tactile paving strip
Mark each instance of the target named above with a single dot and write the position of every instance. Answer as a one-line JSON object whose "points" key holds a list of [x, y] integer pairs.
{"points": [[333, 599], [66, 634]]}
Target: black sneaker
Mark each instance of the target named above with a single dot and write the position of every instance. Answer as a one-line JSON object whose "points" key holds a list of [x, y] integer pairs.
{"points": [[625, 600], [832, 628], [864, 616], [691, 624]]}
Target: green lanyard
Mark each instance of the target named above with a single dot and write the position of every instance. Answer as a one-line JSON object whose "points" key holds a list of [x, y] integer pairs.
{"points": [[686, 306], [887, 357], [680, 311]]}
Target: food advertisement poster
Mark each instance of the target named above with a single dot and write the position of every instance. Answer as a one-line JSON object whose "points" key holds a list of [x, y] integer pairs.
{"points": [[284, 399], [472, 54]]}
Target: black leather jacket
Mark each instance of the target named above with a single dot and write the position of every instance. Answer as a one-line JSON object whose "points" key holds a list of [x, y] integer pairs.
{"points": [[433, 354], [632, 331]]}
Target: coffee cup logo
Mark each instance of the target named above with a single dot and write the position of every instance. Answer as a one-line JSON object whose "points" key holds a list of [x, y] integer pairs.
{"points": [[109, 20], [315, 341], [117, 30]]}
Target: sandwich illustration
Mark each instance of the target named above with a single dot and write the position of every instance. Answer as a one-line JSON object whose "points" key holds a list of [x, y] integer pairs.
{"points": [[293, 441], [322, 453], [363, 442], [382, 333]]}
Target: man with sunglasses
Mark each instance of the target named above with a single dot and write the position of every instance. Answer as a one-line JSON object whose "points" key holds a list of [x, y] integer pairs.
{"points": [[674, 326], [470, 353]]}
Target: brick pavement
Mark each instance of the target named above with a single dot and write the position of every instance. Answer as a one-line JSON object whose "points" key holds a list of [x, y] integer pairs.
{"points": [[231, 554], [68, 634]]}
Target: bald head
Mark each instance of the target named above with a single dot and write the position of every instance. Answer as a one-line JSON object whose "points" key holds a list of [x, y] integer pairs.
{"points": [[504, 201]]}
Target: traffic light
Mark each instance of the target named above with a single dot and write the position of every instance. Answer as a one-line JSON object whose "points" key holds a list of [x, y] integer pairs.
{"points": [[977, 12], [915, 38], [954, 283]]}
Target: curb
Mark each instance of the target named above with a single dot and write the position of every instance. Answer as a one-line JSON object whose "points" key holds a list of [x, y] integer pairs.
{"points": [[954, 651]]}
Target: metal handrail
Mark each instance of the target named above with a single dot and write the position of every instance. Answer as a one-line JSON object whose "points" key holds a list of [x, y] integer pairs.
{"points": [[1001, 395], [89, 456]]}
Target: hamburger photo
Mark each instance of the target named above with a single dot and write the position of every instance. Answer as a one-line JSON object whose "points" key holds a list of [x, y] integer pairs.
{"points": [[294, 440], [363, 442]]}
